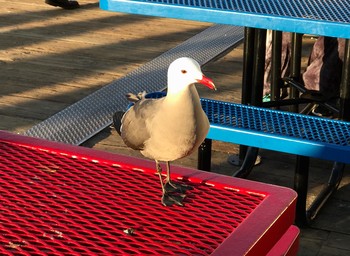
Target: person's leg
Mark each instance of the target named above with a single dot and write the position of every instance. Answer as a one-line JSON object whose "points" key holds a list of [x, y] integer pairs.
{"points": [[65, 4]]}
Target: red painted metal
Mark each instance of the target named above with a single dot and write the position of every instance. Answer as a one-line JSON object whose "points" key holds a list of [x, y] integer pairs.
{"points": [[58, 199], [288, 244]]}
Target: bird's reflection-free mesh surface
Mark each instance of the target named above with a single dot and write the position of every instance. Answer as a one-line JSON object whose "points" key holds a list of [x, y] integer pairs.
{"points": [[331, 10], [60, 204], [277, 123]]}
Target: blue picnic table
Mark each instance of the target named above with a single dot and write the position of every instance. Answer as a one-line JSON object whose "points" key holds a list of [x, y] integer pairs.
{"points": [[324, 18], [328, 18]]}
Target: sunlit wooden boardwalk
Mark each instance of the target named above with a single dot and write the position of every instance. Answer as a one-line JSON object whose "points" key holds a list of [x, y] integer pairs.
{"points": [[51, 58]]}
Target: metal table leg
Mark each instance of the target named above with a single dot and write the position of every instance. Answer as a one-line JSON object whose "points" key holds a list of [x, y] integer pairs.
{"points": [[345, 85], [252, 89], [247, 81], [258, 67], [204, 155], [295, 69], [276, 65]]}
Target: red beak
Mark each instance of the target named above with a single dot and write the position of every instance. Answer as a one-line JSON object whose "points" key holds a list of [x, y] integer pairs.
{"points": [[207, 82]]}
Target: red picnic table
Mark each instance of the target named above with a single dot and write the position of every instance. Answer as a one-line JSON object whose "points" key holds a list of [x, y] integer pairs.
{"points": [[59, 199]]}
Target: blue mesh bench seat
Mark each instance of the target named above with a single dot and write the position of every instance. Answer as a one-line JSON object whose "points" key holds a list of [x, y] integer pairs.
{"points": [[278, 130], [286, 132]]}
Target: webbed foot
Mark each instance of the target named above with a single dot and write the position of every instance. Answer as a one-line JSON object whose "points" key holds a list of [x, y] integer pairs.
{"points": [[169, 199], [176, 187]]}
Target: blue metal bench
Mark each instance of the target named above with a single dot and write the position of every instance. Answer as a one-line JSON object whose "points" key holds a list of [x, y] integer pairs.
{"points": [[302, 135]]}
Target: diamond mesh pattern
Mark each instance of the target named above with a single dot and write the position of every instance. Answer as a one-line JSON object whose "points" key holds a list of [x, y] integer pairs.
{"points": [[309, 9], [60, 204], [277, 122]]}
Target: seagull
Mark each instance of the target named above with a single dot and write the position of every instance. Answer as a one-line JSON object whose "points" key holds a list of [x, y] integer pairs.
{"points": [[168, 128]]}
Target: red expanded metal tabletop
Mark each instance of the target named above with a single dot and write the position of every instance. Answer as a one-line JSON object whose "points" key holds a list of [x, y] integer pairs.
{"points": [[58, 199]]}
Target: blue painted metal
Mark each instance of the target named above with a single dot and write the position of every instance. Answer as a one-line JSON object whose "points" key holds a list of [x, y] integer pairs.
{"points": [[277, 130], [320, 17]]}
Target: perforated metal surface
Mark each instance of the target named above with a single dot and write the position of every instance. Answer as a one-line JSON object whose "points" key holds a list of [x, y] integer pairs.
{"points": [[290, 128], [323, 17], [58, 202], [72, 205], [332, 10], [87, 117]]}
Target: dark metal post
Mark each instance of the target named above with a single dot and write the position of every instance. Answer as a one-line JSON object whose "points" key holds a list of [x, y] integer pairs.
{"points": [[295, 66], [345, 85], [247, 78], [253, 75], [301, 179], [204, 155], [259, 67], [302, 164], [276, 64], [248, 62]]}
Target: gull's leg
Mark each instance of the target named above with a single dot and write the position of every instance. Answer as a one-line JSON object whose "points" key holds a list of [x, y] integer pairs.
{"points": [[159, 171], [171, 186], [168, 198]]}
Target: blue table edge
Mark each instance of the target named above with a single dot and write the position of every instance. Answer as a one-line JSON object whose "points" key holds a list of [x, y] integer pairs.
{"points": [[287, 24]]}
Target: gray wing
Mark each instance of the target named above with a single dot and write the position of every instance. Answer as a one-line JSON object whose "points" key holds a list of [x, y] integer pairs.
{"points": [[133, 130]]}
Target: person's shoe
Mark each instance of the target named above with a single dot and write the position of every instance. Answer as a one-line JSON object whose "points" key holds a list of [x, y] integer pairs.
{"points": [[65, 4]]}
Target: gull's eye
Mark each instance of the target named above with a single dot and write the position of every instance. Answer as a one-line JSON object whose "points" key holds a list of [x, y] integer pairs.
{"points": [[183, 71]]}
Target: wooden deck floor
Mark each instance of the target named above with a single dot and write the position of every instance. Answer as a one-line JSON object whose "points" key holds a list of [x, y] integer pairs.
{"points": [[51, 58]]}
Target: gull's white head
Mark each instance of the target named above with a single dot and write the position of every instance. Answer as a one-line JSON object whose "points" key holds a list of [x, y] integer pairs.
{"points": [[184, 72]]}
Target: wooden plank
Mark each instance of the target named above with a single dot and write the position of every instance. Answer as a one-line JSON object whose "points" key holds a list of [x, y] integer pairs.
{"points": [[34, 108], [51, 57], [16, 124]]}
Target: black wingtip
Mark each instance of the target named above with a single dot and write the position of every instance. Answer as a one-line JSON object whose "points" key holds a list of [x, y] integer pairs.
{"points": [[117, 120]]}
